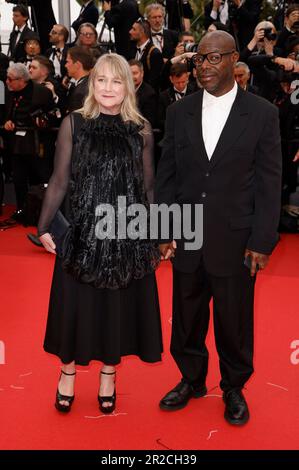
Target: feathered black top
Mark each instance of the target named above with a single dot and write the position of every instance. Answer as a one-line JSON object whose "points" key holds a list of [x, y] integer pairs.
{"points": [[108, 158]]}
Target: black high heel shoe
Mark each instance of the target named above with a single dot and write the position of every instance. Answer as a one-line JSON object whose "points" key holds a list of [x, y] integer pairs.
{"points": [[59, 397], [112, 399]]}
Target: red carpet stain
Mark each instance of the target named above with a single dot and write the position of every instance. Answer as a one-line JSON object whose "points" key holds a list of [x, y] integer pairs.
{"points": [[210, 434], [163, 445], [278, 386]]}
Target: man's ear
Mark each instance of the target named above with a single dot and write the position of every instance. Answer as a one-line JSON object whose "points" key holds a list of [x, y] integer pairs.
{"points": [[236, 56]]}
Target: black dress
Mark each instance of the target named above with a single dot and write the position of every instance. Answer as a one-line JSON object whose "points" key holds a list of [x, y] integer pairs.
{"points": [[104, 301]]}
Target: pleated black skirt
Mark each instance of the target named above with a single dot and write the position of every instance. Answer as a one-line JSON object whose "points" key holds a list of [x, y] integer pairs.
{"points": [[85, 323]]}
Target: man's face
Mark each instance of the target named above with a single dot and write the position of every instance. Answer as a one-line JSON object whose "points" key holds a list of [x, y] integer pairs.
{"points": [[137, 74], [36, 70], [135, 32], [188, 39], [156, 19], [180, 82], [241, 76], [70, 66], [55, 35], [14, 83], [217, 79], [18, 19]]}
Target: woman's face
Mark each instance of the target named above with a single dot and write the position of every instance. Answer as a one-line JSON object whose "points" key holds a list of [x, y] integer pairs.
{"points": [[87, 36], [109, 91]]}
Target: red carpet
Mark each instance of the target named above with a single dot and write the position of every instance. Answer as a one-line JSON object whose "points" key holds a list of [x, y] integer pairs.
{"points": [[28, 378]]}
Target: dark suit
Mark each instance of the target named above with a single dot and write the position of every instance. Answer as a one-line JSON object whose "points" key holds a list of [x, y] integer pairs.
{"points": [[17, 51], [239, 188], [43, 18], [152, 62], [27, 167], [121, 17], [170, 41], [166, 98], [50, 54], [90, 14], [77, 94], [242, 22], [147, 102], [176, 11]]}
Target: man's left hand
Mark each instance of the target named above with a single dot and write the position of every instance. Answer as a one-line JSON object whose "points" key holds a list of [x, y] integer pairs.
{"points": [[256, 258]]}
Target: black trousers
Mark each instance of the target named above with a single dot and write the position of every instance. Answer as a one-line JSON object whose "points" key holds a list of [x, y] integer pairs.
{"points": [[28, 170], [233, 299]]}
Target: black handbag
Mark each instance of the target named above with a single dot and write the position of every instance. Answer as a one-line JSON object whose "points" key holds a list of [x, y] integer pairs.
{"points": [[60, 230]]}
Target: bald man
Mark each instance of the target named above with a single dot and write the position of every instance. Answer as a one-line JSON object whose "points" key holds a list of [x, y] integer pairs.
{"points": [[221, 149]]}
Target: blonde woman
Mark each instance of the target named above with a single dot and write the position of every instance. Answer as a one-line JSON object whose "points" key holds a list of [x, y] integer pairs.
{"points": [[103, 302]]}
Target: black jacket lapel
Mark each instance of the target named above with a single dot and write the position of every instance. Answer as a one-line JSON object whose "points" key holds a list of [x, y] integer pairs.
{"points": [[235, 125]]}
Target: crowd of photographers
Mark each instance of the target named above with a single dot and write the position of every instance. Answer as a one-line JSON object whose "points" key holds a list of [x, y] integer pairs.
{"points": [[47, 78]]}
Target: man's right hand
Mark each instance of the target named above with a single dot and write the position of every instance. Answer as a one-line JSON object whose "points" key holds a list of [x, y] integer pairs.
{"points": [[9, 126], [167, 250]]}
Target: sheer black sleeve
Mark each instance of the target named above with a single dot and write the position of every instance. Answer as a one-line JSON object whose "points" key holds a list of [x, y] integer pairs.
{"points": [[148, 162], [59, 180]]}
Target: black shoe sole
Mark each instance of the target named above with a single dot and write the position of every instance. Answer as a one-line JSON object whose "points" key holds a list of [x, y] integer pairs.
{"points": [[198, 394], [237, 422]]}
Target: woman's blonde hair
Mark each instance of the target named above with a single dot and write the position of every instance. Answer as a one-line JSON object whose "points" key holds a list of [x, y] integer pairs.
{"points": [[120, 68]]}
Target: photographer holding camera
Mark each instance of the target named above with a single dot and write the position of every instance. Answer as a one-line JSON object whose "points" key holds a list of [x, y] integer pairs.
{"points": [[240, 16], [265, 60], [291, 27], [24, 98]]}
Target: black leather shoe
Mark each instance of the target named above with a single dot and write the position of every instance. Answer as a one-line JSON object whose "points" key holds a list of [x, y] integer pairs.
{"points": [[34, 239], [179, 396], [236, 409]]}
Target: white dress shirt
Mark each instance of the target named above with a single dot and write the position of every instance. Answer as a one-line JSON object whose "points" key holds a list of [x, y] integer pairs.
{"points": [[140, 50], [19, 31], [157, 38], [215, 111]]}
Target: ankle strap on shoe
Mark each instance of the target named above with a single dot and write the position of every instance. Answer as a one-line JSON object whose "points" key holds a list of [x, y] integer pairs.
{"points": [[108, 373], [66, 373]]}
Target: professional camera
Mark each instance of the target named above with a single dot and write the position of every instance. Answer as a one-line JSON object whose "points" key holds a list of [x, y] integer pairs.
{"points": [[190, 47], [269, 35], [45, 118]]}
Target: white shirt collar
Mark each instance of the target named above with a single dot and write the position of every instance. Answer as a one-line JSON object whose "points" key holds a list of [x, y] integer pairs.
{"points": [[143, 45], [22, 29], [221, 101]]}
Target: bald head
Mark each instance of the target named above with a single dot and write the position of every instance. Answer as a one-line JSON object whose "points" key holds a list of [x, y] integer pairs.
{"points": [[221, 39], [216, 58]]}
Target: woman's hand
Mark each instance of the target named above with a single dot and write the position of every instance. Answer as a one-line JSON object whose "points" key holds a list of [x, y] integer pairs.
{"points": [[48, 243]]}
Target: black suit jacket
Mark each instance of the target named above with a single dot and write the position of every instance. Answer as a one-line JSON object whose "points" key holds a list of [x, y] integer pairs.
{"points": [[17, 51], [90, 14], [170, 41], [76, 95], [245, 19], [34, 97], [121, 17], [152, 65], [166, 98], [43, 18], [49, 53], [147, 102], [239, 187]]}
